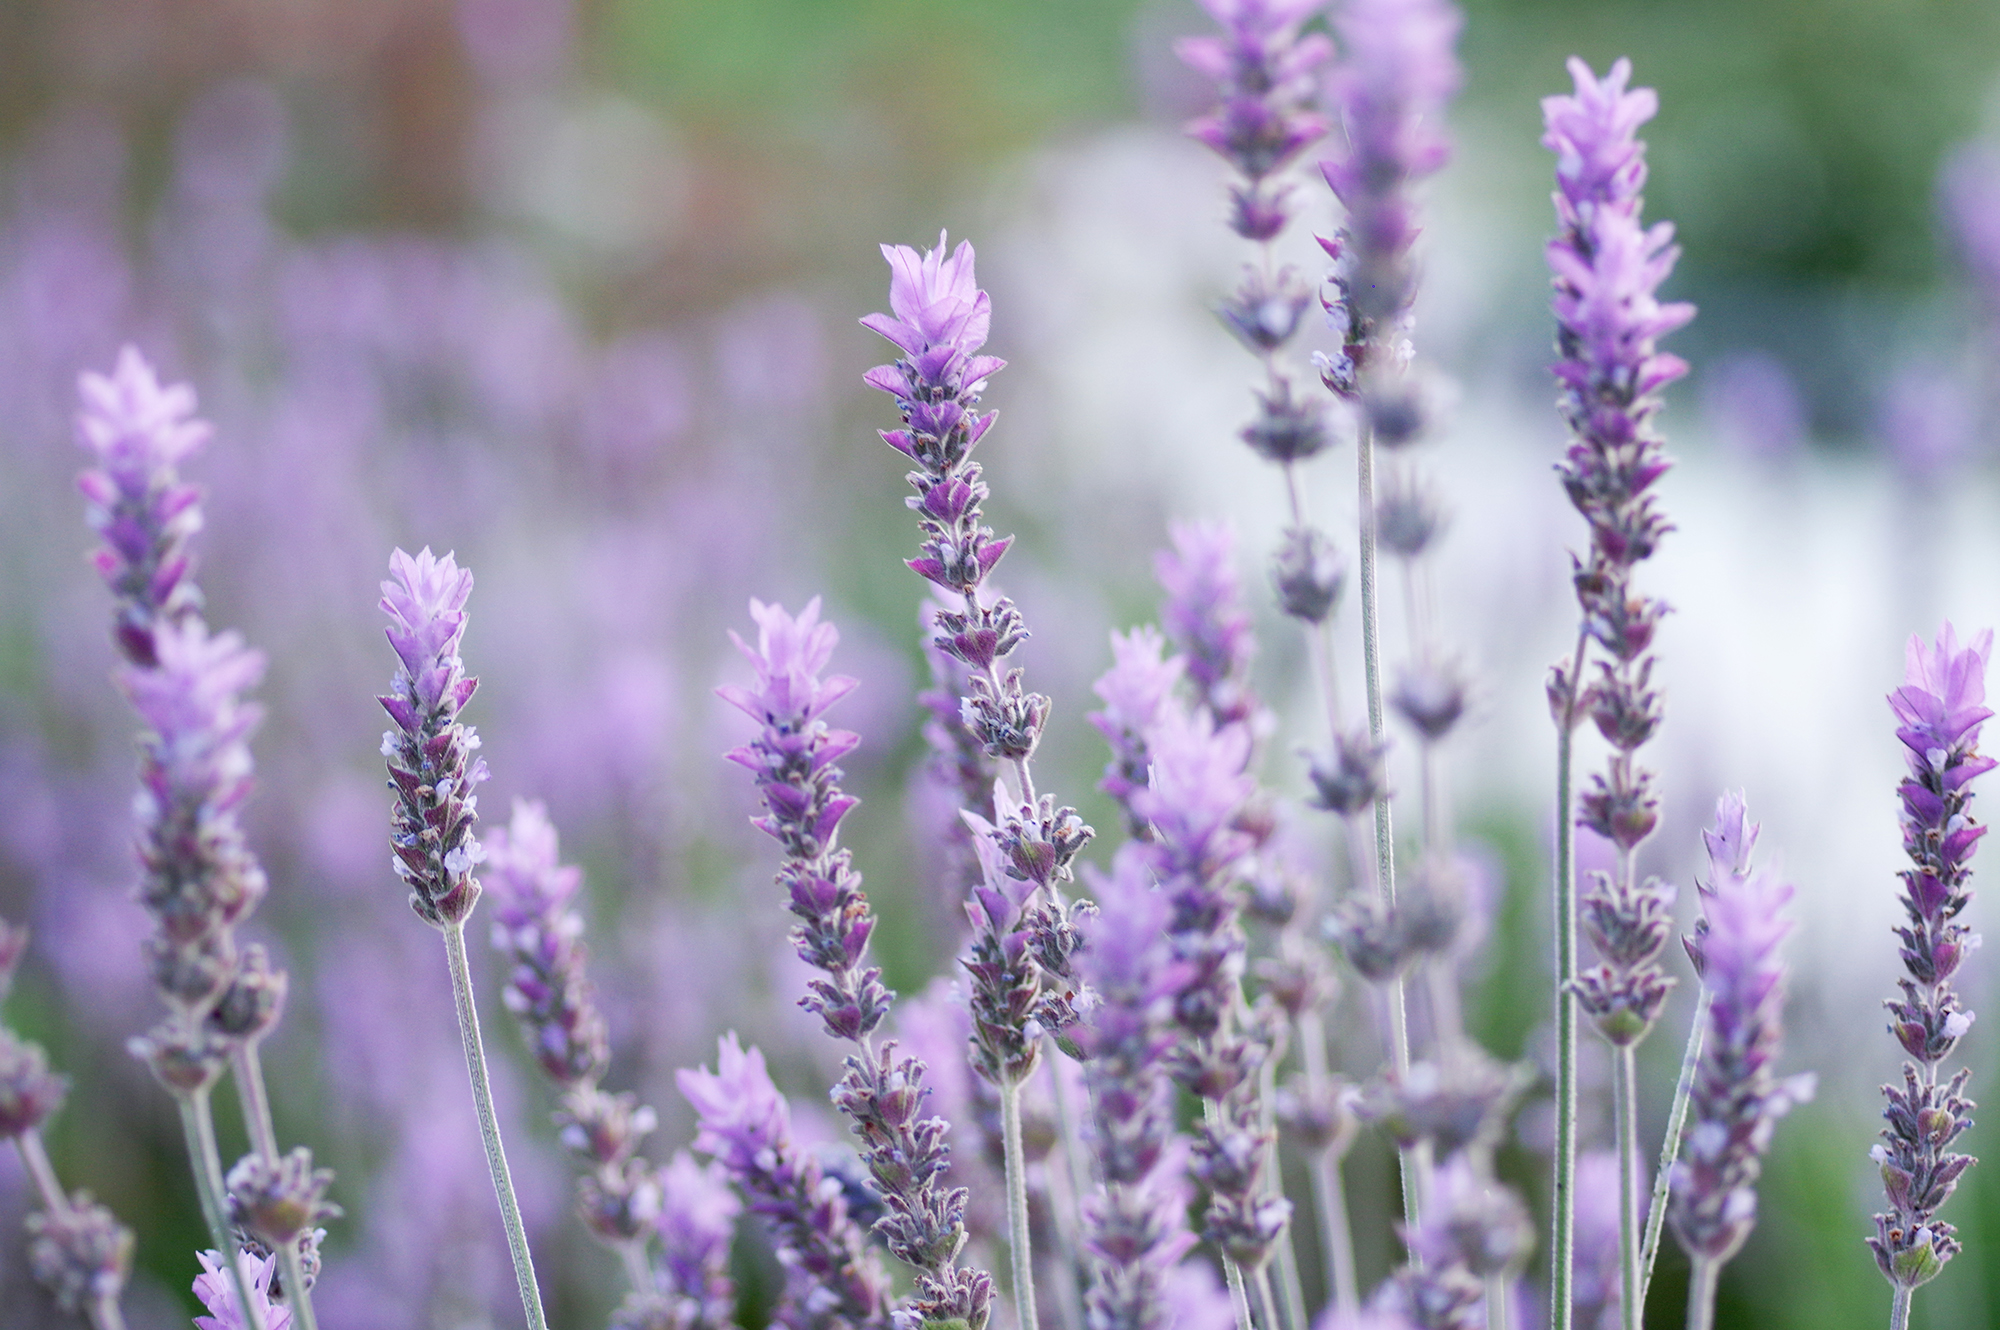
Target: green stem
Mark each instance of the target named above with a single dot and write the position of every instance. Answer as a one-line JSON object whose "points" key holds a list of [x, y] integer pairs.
{"points": [[198, 1125], [1899, 1310], [1017, 1205], [1267, 1306], [1292, 1313], [489, 1125], [1701, 1297], [1670, 1148], [1563, 1216], [1497, 1317], [1632, 1303]]}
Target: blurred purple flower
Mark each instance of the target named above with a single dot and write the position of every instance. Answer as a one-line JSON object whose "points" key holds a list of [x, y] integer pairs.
{"points": [[1969, 196], [536, 928], [696, 1225], [1205, 617], [1754, 405], [1140, 681], [1928, 422], [1939, 709]]}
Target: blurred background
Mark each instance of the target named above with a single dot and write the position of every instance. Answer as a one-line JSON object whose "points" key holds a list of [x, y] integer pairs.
{"points": [[571, 288]]}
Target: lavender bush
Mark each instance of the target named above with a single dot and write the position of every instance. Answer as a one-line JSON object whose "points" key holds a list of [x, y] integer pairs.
{"points": [[1226, 1062]]}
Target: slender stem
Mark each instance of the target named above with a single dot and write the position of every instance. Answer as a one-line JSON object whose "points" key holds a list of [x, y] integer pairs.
{"points": [[198, 1125], [1065, 1209], [489, 1125], [297, 1296], [1292, 1311], [1329, 1193], [1632, 1303], [1319, 640], [1017, 1205], [249, 1075], [1563, 1216], [638, 1265], [1701, 1297], [1371, 653], [1899, 1309], [36, 1160], [1497, 1311], [1267, 1306], [1670, 1148]]}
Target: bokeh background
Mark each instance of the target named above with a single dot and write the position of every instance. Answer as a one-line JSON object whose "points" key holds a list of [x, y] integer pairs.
{"points": [[571, 288]]}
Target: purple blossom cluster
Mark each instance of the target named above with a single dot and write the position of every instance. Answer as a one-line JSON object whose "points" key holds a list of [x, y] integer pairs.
{"points": [[1736, 1099], [834, 1280], [1939, 711], [430, 752], [882, 1093]]}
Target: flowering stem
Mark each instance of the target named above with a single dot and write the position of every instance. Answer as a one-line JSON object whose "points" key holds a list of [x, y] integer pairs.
{"points": [[1899, 1308], [1329, 1195], [1371, 659], [1319, 641], [638, 1269], [249, 1073], [1294, 1308], [1017, 1205], [1624, 1107], [1267, 1306], [198, 1124], [1670, 1148], [489, 1124], [1497, 1313], [1701, 1297], [1563, 1218]]}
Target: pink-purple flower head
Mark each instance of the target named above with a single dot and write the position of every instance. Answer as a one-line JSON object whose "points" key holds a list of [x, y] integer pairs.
{"points": [[1600, 160], [1942, 702], [741, 1112], [217, 1292], [528, 883], [788, 658], [1198, 786], [1141, 678], [939, 318], [1392, 87], [425, 600], [1264, 69], [138, 427], [197, 751], [1611, 317]]}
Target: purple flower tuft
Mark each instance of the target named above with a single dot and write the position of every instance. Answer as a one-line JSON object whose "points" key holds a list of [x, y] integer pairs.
{"points": [[217, 1292]]}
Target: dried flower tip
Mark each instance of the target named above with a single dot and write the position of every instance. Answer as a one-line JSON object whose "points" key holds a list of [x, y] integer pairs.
{"points": [[1623, 810], [1287, 429], [254, 1000], [1318, 1122], [1264, 312], [1460, 1103], [1623, 1004], [1353, 779], [83, 1256], [29, 1091], [276, 1202], [1308, 573], [185, 1061], [1431, 697], [1407, 518], [1371, 936]]}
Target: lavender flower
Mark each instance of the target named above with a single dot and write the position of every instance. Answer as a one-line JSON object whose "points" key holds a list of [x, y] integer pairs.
{"points": [[217, 1292], [1136, 1226], [1138, 684], [1263, 68], [1391, 88], [1205, 618], [140, 432], [1940, 709], [548, 990], [431, 766], [793, 758], [746, 1126], [696, 1224], [1736, 1100]]}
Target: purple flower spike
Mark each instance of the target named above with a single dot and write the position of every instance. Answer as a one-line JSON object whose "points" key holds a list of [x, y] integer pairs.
{"points": [[1736, 1100], [140, 431], [1264, 70], [881, 1093], [1136, 1224], [696, 1224], [1205, 617], [1391, 86], [746, 1125], [1600, 161], [1140, 681], [430, 753], [1939, 711]]}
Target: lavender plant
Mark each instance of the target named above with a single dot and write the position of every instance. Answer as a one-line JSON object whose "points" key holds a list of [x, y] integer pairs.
{"points": [[434, 774], [621, 1197], [77, 1248], [1606, 269], [1736, 1098], [1940, 709], [1019, 958], [881, 1093], [200, 880]]}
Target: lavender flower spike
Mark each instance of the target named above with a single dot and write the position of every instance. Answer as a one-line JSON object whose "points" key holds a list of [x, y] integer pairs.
{"points": [[746, 1125], [882, 1094], [1736, 1099], [433, 772], [431, 762], [1940, 709]]}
